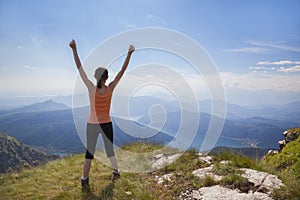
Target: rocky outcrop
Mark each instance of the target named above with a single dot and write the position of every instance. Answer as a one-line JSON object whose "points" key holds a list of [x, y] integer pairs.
{"points": [[289, 135], [263, 181], [220, 192], [258, 185]]}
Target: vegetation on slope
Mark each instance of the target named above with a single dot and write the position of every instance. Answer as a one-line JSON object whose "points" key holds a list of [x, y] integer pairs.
{"points": [[286, 165], [60, 179], [15, 155]]}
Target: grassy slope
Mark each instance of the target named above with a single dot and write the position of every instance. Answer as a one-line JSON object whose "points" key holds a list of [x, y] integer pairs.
{"points": [[287, 166], [61, 179]]}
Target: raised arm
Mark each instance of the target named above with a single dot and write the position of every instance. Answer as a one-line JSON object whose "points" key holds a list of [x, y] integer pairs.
{"points": [[89, 84], [114, 83]]}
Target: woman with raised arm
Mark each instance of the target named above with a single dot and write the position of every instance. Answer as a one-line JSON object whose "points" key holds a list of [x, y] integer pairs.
{"points": [[99, 118]]}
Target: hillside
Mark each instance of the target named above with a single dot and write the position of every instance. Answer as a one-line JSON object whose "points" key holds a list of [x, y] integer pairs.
{"points": [[191, 176], [15, 155], [287, 162]]}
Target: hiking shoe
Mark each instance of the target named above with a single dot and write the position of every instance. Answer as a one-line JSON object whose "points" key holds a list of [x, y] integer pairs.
{"points": [[85, 185], [116, 175]]}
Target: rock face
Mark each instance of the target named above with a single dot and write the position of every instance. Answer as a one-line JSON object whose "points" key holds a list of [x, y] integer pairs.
{"points": [[258, 185], [219, 192], [263, 182], [289, 135]]}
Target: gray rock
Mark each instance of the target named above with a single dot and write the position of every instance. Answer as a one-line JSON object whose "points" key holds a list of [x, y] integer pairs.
{"points": [[162, 160], [272, 152], [164, 178], [196, 195], [205, 159], [207, 171], [225, 162], [281, 144], [219, 192], [262, 181]]}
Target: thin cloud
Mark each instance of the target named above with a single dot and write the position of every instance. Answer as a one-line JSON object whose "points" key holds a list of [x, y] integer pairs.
{"points": [[276, 66], [290, 69], [263, 47], [282, 62], [156, 18], [128, 24], [257, 50], [265, 81], [274, 46], [30, 67]]}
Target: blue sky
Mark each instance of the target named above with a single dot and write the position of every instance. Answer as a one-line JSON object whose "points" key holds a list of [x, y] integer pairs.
{"points": [[255, 44]]}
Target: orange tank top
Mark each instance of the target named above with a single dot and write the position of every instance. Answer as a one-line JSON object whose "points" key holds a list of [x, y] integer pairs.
{"points": [[100, 107]]}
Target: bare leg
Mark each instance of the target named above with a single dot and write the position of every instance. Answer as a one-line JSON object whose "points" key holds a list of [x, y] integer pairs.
{"points": [[86, 167], [114, 163]]}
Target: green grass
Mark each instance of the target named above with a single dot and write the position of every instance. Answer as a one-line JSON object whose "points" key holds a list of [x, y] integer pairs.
{"points": [[60, 179], [286, 165]]}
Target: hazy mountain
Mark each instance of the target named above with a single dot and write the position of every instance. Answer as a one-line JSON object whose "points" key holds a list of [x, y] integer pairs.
{"points": [[57, 129], [48, 105], [15, 155]]}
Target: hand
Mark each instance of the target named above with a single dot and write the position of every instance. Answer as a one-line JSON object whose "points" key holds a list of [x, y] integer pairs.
{"points": [[72, 44], [131, 49]]}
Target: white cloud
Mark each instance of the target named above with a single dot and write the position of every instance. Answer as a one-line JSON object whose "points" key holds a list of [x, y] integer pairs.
{"points": [[30, 67], [156, 18], [282, 62], [290, 69], [276, 66]]}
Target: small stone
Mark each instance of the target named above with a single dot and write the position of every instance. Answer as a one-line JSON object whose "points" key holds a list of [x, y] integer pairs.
{"points": [[196, 195], [128, 193], [206, 159], [225, 162], [207, 171], [166, 177]]}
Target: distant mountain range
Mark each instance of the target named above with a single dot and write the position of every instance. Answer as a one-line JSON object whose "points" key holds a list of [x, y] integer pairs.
{"points": [[51, 125], [15, 155], [48, 105]]}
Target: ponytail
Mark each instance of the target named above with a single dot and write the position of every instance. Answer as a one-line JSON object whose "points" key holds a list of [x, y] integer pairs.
{"points": [[104, 75]]}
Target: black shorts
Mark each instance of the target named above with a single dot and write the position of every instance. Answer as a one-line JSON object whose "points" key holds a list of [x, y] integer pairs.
{"points": [[92, 132]]}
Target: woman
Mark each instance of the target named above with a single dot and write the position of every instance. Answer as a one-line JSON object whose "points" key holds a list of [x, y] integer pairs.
{"points": [[99, 118]]}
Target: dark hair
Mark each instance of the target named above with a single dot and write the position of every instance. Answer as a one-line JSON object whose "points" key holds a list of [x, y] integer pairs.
{"points": [[101, 75]]}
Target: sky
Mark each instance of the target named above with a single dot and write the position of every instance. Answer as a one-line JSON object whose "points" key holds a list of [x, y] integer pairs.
{"points": [[255, 44]]}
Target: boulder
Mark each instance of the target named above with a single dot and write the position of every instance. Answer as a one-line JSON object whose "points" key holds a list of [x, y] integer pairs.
{"points": [[291, 134]]}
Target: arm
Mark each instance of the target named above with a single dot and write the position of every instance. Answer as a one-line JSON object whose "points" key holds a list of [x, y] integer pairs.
{"points": [[114, 83], [82, 73]]}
